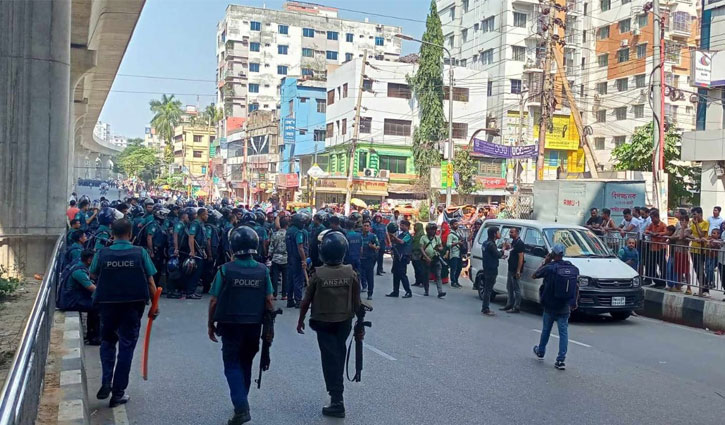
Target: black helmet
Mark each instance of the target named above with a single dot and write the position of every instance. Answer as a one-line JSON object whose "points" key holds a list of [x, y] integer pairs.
{"points": [[214, 217], [191, 212], [248, 218], [333, 248], [321, 216], [161, 213], [260, 216], [299, 220], [243, 240], [106, 216], [355, 216], [148, 201], [392, 227]]}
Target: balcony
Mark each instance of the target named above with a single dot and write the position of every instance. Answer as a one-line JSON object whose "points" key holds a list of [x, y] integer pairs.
{"points": [[680, 25], [535, 66]]}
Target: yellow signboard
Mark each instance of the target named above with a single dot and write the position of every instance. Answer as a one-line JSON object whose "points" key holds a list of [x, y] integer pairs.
{"points": [[575, 161], [564, 135]]}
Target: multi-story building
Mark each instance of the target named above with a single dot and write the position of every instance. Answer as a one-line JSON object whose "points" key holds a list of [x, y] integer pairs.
{"points": [[153, 141], [389, 113], [191, 153], [302, 120], [608, 57], [257, 47], [102, 130]]}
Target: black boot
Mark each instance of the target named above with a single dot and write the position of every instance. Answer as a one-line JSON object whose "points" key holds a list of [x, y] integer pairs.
{"points": [[336, 408], [240, 418]]}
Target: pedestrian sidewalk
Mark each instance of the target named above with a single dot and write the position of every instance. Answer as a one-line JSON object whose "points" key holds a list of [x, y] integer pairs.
{"points": [[676, 307]]}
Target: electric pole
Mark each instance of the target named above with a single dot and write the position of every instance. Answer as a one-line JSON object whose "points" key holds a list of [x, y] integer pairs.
{"points": [[546, 95], [658, 97], [355, 134]]}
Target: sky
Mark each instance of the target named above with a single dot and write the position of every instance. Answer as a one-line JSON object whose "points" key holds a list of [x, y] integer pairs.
{"points": [[175, 42]]}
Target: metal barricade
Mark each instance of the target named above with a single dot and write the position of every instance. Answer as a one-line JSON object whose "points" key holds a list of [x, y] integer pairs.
{"points": [[20, 395], [693, 266]]}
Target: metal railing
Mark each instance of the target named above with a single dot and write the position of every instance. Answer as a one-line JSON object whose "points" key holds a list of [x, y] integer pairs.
{"points": [[20, 395], [689, 265]]}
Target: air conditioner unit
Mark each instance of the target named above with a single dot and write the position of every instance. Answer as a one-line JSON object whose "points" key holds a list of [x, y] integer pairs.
{"points": [[369, 172], [624, 43], [384, 174]]}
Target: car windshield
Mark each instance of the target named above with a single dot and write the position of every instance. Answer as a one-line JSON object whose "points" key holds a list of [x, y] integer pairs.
{"points": [[578, 243]]}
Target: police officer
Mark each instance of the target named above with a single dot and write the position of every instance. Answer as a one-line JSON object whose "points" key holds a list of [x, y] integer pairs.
{"points": [[241, 292], [368, 258], [197, 251], [402, 250], [297, 242], [179, 248], [315, 229], [143, 220], [381, 232], [76, 294], [102, 236], [259, 220], [85, 215], [334, 293], [73, 254], [124, 276], [354, 243], [156, 238]]}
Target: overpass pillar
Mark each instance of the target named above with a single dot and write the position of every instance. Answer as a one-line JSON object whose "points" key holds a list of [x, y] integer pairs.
{"points": [[35, 118]]}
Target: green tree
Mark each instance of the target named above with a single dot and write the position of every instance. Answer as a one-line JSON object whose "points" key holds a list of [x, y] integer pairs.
{"points": [[213, 115], [427, 84], [167, 115], [465, 166], [138, 161], [684, 181]]}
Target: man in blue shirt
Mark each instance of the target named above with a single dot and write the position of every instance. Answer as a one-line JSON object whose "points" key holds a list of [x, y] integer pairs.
{"points": [[76, 294], [368, 258], [380, 230], [402, 250], [84, 216], [354, 242], [297, 242]]}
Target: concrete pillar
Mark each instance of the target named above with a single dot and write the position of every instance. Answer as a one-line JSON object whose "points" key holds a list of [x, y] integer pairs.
{"points": [[34, 118]]}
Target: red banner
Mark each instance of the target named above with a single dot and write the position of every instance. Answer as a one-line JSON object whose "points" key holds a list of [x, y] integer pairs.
{"points": [[491, 182]]}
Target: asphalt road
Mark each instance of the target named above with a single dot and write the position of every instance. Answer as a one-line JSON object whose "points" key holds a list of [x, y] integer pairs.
{"points": [[433, 361], [95, 193]]}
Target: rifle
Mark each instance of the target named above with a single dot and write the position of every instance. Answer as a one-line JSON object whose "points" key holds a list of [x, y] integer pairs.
{"points": [[360, 325], [267, 329]]}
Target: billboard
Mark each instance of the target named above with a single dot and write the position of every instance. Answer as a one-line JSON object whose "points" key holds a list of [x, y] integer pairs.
{"points": [[563, 135]]}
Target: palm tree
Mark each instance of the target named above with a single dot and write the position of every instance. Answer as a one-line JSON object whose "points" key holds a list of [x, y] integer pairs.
{"points": [[167, 114], [213, 115]]}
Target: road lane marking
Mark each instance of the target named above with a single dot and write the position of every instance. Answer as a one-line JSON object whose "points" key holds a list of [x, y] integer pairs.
{"points": [[378, 352], [119, 415], [571, 340]]}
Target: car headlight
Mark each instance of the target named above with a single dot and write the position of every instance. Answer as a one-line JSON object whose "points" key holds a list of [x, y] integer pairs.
{"points": [[584, 281], [636, 281]]}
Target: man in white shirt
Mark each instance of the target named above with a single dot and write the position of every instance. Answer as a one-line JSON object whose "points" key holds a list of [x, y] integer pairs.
{"points": [[716, 220]]}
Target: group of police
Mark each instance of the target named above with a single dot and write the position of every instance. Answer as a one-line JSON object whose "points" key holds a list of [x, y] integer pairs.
{"points": [[118, 251]]}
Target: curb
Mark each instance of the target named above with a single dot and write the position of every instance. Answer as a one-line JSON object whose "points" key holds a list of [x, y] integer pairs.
{"points": [[72, 409], [704, 313]]}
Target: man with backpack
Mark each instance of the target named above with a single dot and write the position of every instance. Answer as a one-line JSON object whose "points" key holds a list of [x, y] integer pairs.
{"points": [[558, 295], [75, 293]]}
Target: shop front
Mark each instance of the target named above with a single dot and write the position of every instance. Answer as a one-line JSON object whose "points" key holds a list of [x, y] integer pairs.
{"points": [[332, 190], [287, 184]]}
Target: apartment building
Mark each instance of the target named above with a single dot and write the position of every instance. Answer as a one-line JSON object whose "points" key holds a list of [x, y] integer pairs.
{"points": [[191, 152], [257, 47], [389, 115], [607, 54], [302, 122]]}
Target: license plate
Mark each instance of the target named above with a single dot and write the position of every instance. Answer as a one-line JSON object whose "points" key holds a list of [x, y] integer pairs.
{"points": [[618, 301]]}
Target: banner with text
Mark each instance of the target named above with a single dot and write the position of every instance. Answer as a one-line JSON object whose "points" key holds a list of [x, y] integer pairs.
{"points": [[483, 147]]}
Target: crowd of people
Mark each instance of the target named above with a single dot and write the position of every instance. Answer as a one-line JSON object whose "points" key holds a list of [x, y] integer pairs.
{"points": [[676, 257]]}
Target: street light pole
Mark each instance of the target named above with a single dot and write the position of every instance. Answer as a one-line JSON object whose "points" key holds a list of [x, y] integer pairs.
{"points": [[450, 146]]}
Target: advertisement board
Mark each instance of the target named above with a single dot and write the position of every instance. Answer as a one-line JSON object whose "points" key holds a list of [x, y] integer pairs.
{"points": [[563, 135], [701, 69]]}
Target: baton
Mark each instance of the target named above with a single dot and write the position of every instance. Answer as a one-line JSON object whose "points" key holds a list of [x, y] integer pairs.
{"points": [[145, 356]]}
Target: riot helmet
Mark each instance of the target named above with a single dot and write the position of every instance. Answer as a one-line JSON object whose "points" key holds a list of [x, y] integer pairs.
{"points": [[333, 248], [243, 240]]}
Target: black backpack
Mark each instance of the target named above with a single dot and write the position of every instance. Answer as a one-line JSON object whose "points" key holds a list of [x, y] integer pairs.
{"points": [[562, 287]]}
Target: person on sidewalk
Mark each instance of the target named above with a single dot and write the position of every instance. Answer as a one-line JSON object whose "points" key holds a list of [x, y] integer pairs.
{"points": [[558, 296], [334, 295], [516, 266], [455, 242], [431, 248], [655, 265], [124, 281], [241, 295], [402, 249], [491, 255]]}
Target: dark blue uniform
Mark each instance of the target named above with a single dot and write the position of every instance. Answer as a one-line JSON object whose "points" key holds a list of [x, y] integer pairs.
{"points": [[381, 232], [368, 258], [354, 246], [401, 258], [295, 270], [199, 232]]}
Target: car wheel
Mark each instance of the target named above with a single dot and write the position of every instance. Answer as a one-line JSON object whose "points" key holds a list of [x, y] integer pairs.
{"points": [[480, 290], [620, 315]]}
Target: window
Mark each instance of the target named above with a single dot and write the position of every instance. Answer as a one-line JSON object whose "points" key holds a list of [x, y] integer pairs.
{"points": [[602, 88], [624, 25], [515, 86], [282, 49], [453, 12], [344, 126], [308, 32], [584, 36], [348, 57], [465, 6], [394, 164], [672, 51], [599, 143], [331, 97], [638, 111], [639, 81], [304, 99], [307, 52], [603, 33], [519, 20], [602, 115], [254, 88], [291, 108], [681, 22], [255, 26], [488, 24], [319, 136], [586, 9], [367, 85], [344, 90], [519, 53], [308, 72], [253, 67], [623, 55], [642, 51], [203, 169], [489, 88], [603, 60], [393, 127], [281, 70], [460, 130], [332, 35], [197, 154], [366, 125], [451, 40], [622, 84], [321, 106], [253, 107], [399, 90], [620, 113], [330, 130], [534, 243], [253, 47], [464, 35], [362, 160], [460, 94], [487, 57], [283, 29], [197, 139], [619, 140], [626, 1], [605, 5], [331, 55], [642, 20], [379, 41], [349, 37]]}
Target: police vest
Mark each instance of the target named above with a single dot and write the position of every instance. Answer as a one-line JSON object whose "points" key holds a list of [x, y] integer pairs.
{"points": [[354, 241], [291, 243], [70, 294], [122, 277], [333, 294], [243, 294]]}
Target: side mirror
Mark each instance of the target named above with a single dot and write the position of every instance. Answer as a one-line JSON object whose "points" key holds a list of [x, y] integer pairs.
{"points": [[539, 251]]}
